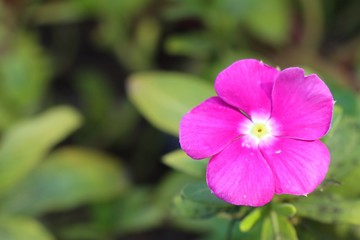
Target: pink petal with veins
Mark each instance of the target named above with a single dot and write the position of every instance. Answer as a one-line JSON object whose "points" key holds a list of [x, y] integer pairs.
{"points": [[240, 175], [209, 127], [298, 166], [247, 85], [302, 106]]}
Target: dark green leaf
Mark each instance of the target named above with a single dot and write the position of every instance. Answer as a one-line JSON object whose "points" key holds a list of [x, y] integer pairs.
{"points": [[191, 45], [196, 201], [328, 209], [136, 212], [199, 192], [186, 208]]}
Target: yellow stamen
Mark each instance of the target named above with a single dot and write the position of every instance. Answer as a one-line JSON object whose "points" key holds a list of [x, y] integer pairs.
{"points": [[259, 130]]}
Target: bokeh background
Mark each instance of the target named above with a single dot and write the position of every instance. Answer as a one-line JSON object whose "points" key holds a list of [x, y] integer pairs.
{"points": [[81, 154]]}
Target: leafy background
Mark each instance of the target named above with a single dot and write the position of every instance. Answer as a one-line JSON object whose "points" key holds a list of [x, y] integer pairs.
{"points": [[92, 92]]}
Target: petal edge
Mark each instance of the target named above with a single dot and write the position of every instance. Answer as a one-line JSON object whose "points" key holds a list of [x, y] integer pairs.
{"points": [[298, 166], [247, 84], [302, 105]]}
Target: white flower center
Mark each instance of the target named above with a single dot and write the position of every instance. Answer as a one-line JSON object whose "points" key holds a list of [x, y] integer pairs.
{"points": [[260, 130]]}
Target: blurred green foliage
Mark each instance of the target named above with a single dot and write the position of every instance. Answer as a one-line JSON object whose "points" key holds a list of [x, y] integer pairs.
{"points": [[78, 161]]}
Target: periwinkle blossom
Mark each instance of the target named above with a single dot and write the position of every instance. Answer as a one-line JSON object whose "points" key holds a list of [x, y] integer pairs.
{"points": [[261, 133]]}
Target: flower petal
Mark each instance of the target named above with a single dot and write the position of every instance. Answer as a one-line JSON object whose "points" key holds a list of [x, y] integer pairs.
{"points": [[302, 106], [298, 166], [247, 85], [240, 175], [209, 127]]}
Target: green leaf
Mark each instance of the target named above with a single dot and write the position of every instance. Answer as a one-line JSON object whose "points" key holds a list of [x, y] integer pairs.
{"points": [[164, 97], [269, 21], [24, 74], [137, 213], [107, 119], [328, 209], [22, 228], [196, 201], [169, 187], [147, 36], [192, 45], [78, 230], [346, 98], [344, 149], [349, 185], [69, 177], [141, 208], [25, 144], [95, 94], [277, 227], [185, 208], [199, 192], [134, 212], [336, 120], [183, 163]]}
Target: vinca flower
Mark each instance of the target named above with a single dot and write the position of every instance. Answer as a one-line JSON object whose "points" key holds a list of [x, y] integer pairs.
{"points": [[261, 133]]}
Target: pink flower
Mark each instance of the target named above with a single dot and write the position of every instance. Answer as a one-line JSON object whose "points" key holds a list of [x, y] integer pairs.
{"points": [[262, 133]]}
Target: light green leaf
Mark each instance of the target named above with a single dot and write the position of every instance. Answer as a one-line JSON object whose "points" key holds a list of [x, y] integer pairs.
{"points": [[269, 20], [251, 219], [181, 162], [164, 97], [25, 144], [22, 228], [284, 209], [69, 177], [277, 227]]}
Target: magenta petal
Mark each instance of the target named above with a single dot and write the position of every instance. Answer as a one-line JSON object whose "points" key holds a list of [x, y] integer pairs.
{"points": [[247, 85], [302, 106], [209, 127], [298, 166], [240, 175]]}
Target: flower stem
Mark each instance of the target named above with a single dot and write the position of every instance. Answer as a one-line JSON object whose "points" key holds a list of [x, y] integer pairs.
{"points": [[230, 228], [275, 225]]}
